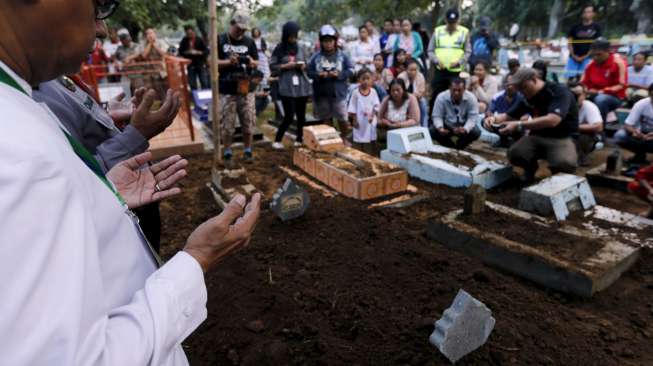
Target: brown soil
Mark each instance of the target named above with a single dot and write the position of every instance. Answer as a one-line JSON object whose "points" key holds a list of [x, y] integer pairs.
{"points": [[348, 286], [572, 248], [452, 158]]}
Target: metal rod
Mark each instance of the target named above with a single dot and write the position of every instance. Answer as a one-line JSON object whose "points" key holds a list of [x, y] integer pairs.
{"points": [[215, 76]]}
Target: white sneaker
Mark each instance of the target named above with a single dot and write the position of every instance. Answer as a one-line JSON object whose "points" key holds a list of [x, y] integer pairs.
{"points": [[277, 146], [298, 144]]}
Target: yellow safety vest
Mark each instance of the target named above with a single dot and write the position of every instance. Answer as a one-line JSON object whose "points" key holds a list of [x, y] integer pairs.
{"points": [[450, 47]]}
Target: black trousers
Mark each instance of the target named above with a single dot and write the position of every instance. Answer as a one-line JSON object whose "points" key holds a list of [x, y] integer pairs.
{"points": [[293, 108], [461, 142], [150, 221]]}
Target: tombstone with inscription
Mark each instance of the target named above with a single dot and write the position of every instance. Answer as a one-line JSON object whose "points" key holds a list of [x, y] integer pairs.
{"points": [[412, 148], [290, 201], [323, 138]]}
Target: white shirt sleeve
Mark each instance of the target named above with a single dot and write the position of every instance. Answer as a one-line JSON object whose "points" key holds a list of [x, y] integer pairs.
{"points": [[55, 303], [590, 114], [353, 102], [635, 114]]}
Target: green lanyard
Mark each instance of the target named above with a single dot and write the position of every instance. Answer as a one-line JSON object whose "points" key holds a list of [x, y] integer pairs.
{"points": [[78, 148]]}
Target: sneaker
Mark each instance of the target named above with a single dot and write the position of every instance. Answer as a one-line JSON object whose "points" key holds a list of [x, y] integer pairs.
{"points": [[298, 144], [277, 146], [248, 157]]}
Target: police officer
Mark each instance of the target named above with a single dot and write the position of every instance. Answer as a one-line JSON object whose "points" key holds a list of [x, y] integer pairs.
{"points": [[448, 52], [76, 107]]}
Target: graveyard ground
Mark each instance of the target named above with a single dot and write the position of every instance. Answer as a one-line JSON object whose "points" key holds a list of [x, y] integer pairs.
{"points": [[345, 285]]}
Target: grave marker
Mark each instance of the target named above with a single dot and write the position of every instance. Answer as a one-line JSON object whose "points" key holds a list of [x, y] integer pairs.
{"points": [[475, 197], [290, 201], [558, 195], [463, 328], [412, 149]]}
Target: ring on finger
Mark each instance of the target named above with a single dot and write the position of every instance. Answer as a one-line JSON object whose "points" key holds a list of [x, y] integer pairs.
{"points": [[157, 187]]}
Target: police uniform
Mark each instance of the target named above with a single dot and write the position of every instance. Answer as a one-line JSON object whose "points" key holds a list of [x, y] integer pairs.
{"points": [[90, 124], [73, 260], [448, 49]]}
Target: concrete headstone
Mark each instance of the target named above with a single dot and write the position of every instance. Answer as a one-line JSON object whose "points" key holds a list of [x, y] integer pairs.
{"points": [[558, 196], [290, 201], [475, 197], [410, 139], [614, 163], [463, 328]]}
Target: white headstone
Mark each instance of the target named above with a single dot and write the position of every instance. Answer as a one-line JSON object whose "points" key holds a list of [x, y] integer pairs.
{"points": [[410, 139], [558, 195], [463, 328]]}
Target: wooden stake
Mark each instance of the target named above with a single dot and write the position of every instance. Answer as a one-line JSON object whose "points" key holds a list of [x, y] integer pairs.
{"points": [[215, 77]]}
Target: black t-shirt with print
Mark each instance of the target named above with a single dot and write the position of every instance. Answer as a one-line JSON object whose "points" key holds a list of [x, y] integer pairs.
{"points": [[553, 98], [581, 32], [229, 75]]}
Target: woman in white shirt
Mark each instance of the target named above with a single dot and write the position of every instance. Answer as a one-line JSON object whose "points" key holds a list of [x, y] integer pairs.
{"points": [[362, 51]]}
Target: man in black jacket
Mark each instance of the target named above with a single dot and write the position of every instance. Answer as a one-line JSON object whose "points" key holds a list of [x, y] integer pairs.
{"points": [[193, 48]]}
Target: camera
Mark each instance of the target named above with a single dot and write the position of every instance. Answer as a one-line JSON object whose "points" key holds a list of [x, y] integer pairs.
{"points": [[243, 60]]}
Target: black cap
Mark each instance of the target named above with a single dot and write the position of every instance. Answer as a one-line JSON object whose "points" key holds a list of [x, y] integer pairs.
{"points": [[452, 15], [601, 44]]}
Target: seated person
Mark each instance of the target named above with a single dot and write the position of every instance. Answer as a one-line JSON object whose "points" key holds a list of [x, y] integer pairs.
{"points": [[640, 77], [513, 66], [554, 118], [455, 113], [590, 124], [501, 103], [399, 109], [416, 85], [542, 67], [605, 78], [637, 134], [483, 85]]}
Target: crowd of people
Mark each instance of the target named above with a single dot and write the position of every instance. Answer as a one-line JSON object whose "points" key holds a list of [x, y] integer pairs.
{"points": [[399, 76]]}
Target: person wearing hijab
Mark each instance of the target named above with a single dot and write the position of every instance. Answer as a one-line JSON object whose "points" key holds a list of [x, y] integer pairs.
{"points": [[288, 63]]}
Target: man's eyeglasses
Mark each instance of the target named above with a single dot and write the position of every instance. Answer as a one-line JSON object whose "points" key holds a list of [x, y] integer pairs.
{"points": [[105, 8]]}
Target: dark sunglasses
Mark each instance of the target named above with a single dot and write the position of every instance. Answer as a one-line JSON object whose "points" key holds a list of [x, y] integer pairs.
{"points": [[104, 9]]}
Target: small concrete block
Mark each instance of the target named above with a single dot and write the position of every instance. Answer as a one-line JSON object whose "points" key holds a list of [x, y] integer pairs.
{"points": [[410, 139], [475, 197], [614, 163], [290, 201], [463, 328], [558, 196]]}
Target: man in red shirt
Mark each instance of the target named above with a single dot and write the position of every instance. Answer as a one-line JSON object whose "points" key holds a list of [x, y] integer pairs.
{"points": [[605, 77]]}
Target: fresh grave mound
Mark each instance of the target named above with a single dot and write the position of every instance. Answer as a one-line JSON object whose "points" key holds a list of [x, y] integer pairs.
{"points": [[575, 249], [454, 158]]}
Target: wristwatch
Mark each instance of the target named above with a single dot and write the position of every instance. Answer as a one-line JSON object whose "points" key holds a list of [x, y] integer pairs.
{"points": [[520, 126]]}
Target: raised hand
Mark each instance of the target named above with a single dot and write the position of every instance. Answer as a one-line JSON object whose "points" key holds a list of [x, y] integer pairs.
{"points": [[151, 123], [140, 184], [219, 237]]}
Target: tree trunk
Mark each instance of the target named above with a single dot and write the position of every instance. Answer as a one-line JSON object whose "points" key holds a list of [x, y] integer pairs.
{"points": [[638, 8], [557, 11]]}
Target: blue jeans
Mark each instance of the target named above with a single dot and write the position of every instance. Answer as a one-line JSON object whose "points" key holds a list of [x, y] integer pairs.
{"points": [[574, 68], [423, 112], [606, 103]]}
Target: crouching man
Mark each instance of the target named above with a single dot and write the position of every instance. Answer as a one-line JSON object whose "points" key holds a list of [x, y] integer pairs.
{"points": [[455, 113], [554, 117], [637, 134]]}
